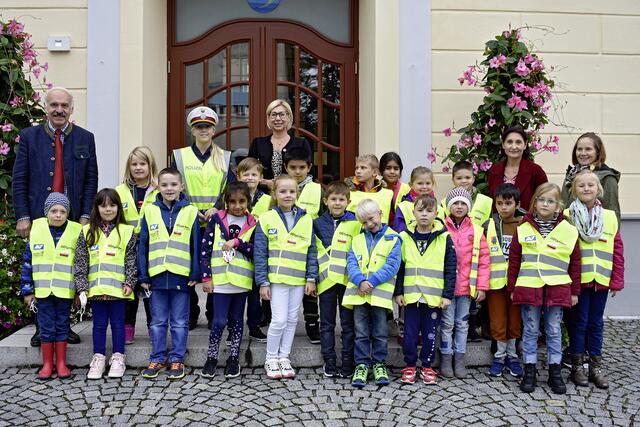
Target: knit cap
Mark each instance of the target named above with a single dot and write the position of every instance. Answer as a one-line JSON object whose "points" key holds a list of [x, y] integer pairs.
{"points": [[55, 199], [459, 194]]}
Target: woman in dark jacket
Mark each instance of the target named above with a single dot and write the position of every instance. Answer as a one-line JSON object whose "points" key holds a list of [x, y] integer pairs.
{"points": [[517, 168], [588, 153], [270, 149]]}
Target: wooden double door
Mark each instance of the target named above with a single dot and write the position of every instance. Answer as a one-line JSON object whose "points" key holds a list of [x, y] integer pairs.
{"points": [[239, 67]]}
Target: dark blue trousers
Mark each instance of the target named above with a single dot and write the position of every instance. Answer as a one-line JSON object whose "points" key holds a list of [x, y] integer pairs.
{"points": [[587, 324], [228, 309], [107, 312], [330, 303], [53, 318], [420, 319]]}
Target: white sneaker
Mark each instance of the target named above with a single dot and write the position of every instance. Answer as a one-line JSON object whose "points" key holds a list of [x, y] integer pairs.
{"points": [[286, 369], [117, 365], [96, 368], [272, 367]]}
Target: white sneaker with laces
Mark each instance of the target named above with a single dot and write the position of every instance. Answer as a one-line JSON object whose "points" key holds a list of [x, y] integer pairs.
{"points": [[272, 367], [96, 368], [286, 369], [117, 365]]}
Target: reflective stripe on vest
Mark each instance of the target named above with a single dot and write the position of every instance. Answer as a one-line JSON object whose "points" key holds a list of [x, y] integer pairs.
{"points": [[545, 261], [106, 262], [384, 197], [406, 207], [480, 211], [287, 256], [203, 183], [381, 295], [239, 272], [261, 206], [52, 265], [310, 198], [423, 274], [597, 257], [332, 262], [130, 208], [499, 264], [473, 275], [170, 253], [403, 191]]}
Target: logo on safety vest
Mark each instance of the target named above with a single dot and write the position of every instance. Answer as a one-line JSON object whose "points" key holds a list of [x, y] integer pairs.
{"points": [[494, 249], [125, 205], [94, 248], [531, 238], [64, 254], [153, 227], [272, 231], [38, 247]]}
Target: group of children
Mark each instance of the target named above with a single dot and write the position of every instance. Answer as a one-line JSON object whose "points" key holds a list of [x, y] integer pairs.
{"points": [[356, 247]]}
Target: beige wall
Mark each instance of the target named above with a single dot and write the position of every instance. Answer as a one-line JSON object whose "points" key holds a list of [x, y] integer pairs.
{"points": [[596, 56], [42, 19]]}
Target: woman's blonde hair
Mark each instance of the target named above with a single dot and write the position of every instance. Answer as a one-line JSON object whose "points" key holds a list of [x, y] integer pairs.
{"points": [[279, 179], [583, 174], [145, 154], [277, 103], [545, 188], [217, 158]]}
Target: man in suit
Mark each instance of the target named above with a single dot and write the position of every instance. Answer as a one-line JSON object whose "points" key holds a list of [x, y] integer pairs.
{"points": [[56, 156]]}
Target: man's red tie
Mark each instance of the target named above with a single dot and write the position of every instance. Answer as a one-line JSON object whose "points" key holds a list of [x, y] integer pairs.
{"points": [[58, 172]]}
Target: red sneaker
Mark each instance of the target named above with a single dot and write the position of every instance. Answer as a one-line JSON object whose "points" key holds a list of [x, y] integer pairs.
{"points": [[429, 376], [409, 375]]}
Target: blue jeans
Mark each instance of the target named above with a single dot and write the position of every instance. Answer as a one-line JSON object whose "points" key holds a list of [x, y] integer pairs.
{"points": [[420, 319], [372, 333], [105, 312], [53, 318], [587, 322], [169, 307], [455, 316], [330, 303], [254, 309], [531, 327], [228, 309]]}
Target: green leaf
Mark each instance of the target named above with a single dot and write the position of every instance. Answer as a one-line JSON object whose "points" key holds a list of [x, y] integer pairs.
{"points": [[495, 97], [506, 111]]}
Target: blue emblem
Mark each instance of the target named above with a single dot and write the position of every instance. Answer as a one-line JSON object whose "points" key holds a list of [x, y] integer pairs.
{"points": [[263, 6], [125, 205], [531, 238], [153, 227], [272, 231], [38, 247], [94, 247]]}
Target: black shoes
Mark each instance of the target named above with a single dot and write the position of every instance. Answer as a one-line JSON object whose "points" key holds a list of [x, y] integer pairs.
{"points": [[232, 368], [257, 334], [555, 381], [528, 383], [313, 332], [73, 338]]}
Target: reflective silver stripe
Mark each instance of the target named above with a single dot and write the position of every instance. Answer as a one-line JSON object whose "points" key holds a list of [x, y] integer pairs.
{"points": [[112, 268], [133, 222], [42, 268], [177, 156], [474, 266], [62, 268], [338, 254], [324, 258], [294, 256], [473, 281], [322, 276], [202, 199], [604, 271], [157, 246], [537, 273], [93, 269], [587, 268], [606, 256], [498, 274], [495, 259], [350, 291], [586, 253], [286, 271], [178, 261], [424, 272], [529, 258], [426, 290], [381, 293], [65, 284], [554, 262], [221, 269], [339, 269], [106, 281], [179, 246]]}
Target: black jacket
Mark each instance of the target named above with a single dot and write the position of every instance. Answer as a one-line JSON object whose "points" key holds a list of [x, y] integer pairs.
{"points": [[262, 150]]}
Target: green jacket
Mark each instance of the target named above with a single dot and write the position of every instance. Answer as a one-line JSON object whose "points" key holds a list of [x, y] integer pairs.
{"points": [[609, 179]]}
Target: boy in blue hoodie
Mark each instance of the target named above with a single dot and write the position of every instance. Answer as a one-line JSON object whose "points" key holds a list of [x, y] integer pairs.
{"points": [[372, 265], [168, 265], [334, 231]]}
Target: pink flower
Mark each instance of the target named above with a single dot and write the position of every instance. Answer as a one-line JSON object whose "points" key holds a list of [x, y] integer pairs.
{"points": [[538, 102], [15, 28], [555, 139], [530, 92], [540, 126], [7, 127], [475, 167], [431, 156], [477, 140], [519, 87], [492, 122], [447, 132], [36, 96], [544, 110], [529, 58], [536, 145], [4, 149], [506, 34], [446, 169], [15, 101], [497, 61], [461, 81], [17, 139], [516, 102], [485, 165], [522, 70], [45, 66], [36, 72], [537, 65], [468, 76], [553, 149], [518, 35], [49, 85]]}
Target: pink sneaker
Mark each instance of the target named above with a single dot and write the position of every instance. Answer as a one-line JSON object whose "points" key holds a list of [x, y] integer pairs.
{"points": [[129, 334]]}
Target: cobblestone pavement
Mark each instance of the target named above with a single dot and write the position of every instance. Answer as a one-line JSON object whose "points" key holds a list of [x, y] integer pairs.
{"points": [[311, 399]]}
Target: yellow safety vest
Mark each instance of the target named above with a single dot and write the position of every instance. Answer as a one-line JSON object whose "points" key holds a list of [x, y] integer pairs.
{"points": [[332, 261], [406, 207], [170, 253], [381, 295], [475, 256], [384, 198], [239, 272], [262, 205], [545, 260], [424, 274], [597, 257], [106, 262], [403, 191], [499, 262], [310, 198], [203, 183], [287, 256], [480, 212], [52, 266], [131, 213]]}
